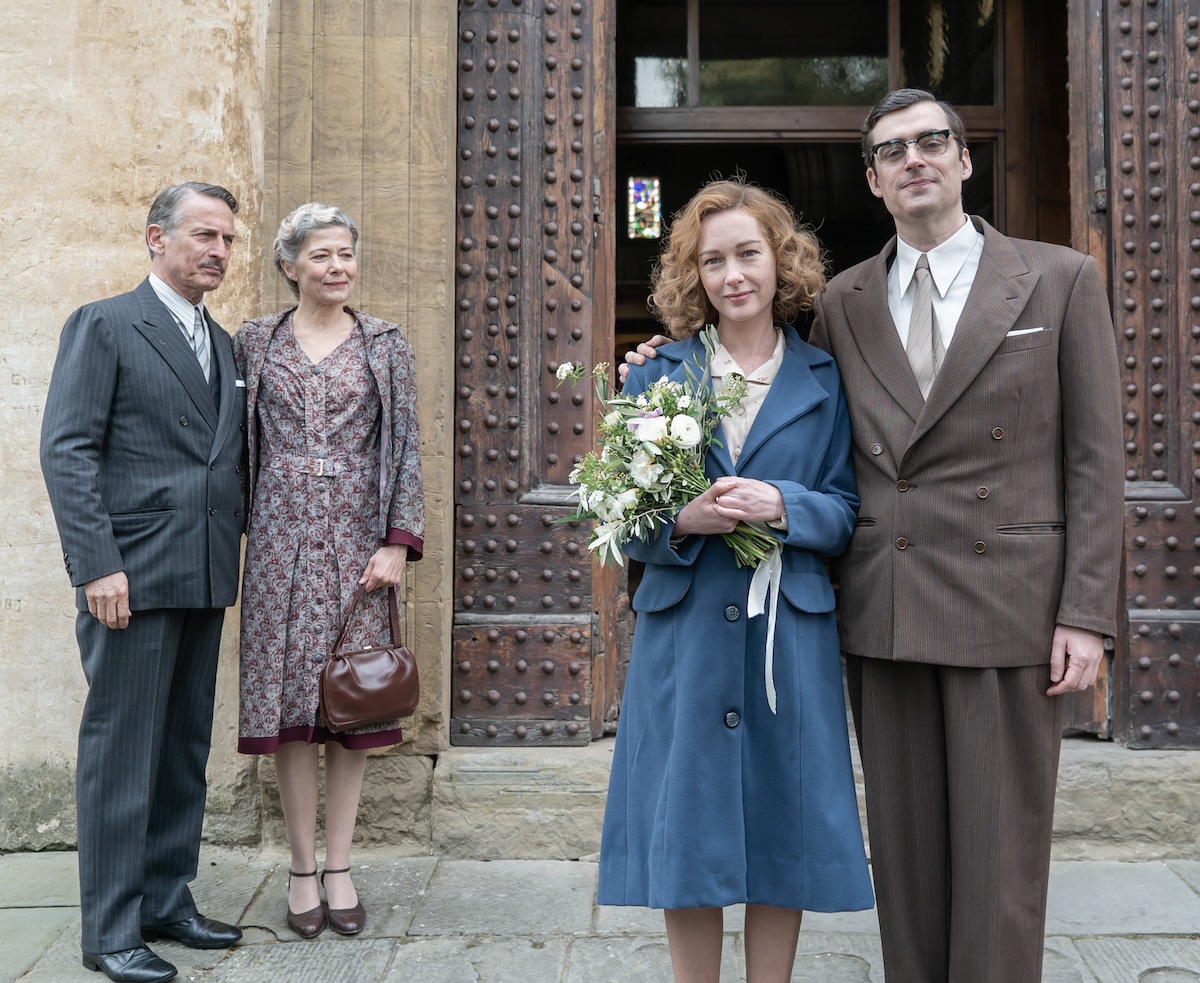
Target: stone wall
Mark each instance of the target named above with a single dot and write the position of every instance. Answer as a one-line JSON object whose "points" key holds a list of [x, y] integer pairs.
{"points": [[106, 102]]}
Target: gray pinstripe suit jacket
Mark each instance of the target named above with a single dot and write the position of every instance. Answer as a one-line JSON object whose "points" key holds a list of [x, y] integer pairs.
{"points": [[993, 510], [142, 465]]}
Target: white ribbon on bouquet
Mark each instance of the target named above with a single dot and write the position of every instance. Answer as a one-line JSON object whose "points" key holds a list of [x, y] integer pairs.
{"points": [[767, 576]]}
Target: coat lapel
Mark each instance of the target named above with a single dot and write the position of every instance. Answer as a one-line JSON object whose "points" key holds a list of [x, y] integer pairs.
{"points": [[160, 329], [227, 410], [794, 392], [999, 294], [869, 319]]}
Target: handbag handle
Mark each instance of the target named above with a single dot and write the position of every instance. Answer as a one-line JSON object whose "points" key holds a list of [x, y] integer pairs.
{"points": [[393, 618]]}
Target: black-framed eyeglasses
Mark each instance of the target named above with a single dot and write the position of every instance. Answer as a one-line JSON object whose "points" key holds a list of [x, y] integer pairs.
{"points": [[931, 143]]}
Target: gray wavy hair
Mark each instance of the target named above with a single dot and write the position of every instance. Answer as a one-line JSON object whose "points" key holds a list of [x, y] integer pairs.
{"points": [[299, 225], [168, 203]]}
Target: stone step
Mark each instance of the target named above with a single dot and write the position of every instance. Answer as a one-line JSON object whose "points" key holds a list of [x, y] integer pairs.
{"points": [[548, 803]]}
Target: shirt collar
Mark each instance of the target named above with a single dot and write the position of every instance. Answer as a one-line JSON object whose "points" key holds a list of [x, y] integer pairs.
{"points": [[179, 306], [945, 259], [723, 363]]}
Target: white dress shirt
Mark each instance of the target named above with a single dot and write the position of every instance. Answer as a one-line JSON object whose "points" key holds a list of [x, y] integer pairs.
{"points": [[952, 264], [184, 312]]}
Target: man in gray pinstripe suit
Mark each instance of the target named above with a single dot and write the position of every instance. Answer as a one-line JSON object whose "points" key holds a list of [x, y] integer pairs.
{"points": [[141, 450], [983, 575]]}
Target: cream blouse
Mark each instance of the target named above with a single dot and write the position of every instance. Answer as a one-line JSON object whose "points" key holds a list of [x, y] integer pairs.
{"points": [[741, 418]]}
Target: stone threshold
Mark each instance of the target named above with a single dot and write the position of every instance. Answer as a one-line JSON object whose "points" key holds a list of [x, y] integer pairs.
{"points": [[548, 803]]}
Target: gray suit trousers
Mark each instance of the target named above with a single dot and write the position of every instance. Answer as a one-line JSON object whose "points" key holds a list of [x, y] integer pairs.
{"points": [[140, 785]]}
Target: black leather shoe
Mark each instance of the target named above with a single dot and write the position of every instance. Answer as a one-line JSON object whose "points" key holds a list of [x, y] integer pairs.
{"points": [[196, 932], [130, 966]]}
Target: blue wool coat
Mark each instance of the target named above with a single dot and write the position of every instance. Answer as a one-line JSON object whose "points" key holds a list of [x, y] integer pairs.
{"points": [[713, 800]]}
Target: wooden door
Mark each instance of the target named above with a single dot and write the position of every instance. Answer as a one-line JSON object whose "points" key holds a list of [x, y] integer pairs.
{"points": [[1136, 175], [537, 628]]}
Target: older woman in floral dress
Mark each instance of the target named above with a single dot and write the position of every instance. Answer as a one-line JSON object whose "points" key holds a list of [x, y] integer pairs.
{"points": [[335, 501]]}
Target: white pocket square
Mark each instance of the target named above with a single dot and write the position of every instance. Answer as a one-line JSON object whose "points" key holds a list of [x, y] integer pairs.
{"points": [[1017, 331], [241, 383]]}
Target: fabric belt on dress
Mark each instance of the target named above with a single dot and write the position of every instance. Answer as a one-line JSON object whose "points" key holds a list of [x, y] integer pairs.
{"points": [[321, 467]]}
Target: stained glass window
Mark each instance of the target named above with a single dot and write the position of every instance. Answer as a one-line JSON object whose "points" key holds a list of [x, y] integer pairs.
{"points": [[645, 208]]}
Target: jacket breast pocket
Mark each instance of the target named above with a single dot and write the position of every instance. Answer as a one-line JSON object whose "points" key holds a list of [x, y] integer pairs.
{"points": [[1025, 342]]}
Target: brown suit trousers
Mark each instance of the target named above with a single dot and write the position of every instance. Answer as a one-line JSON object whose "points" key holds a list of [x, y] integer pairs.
{"points": [[962, 869]]}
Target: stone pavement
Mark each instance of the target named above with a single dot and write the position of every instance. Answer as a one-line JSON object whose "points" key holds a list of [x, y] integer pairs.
{"points": [[437, 920]]}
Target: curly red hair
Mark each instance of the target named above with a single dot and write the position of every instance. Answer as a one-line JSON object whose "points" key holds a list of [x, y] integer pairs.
{"points": [[677, 295]]}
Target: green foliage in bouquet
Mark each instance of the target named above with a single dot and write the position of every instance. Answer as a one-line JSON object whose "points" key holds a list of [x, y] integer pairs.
{"points": [[650, 459]]}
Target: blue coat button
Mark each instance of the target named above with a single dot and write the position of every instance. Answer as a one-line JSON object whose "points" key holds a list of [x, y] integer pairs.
{"points": [[732, 719], [732, 613]]}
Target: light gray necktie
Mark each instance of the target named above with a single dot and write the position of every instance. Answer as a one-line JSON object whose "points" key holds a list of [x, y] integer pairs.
{"points": [[925, 348], [200, 342]]}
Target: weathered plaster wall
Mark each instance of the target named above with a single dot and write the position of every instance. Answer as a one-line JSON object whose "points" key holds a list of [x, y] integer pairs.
{"points": [[106, 101]]}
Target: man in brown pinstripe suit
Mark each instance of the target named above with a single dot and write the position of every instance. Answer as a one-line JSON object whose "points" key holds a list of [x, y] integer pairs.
{"points": [[983, 574], [982, 577]]}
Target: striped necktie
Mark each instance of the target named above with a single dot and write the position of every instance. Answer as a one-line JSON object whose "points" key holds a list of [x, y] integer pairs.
{"points": [[925, 348], [200, 342]]}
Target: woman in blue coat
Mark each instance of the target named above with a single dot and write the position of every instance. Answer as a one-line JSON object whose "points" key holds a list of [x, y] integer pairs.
{"points": [[731, 778]]}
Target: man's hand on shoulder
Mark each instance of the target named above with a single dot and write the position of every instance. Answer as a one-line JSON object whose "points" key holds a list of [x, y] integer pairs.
{"points": [[638, 357], [108, 599], [1075, 657]]}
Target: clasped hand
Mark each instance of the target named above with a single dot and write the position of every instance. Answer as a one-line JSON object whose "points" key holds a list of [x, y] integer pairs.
{"points": [[727, 502]]}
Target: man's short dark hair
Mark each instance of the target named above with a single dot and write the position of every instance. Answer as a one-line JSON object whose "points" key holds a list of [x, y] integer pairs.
{"points": [[902, 99], [164, 211]]}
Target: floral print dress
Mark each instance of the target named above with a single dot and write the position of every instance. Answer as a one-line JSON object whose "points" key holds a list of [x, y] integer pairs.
{"points": [[313, 528]]}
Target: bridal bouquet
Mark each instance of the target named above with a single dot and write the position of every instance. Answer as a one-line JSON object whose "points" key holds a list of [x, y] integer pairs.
{"points": [[650, 462]]}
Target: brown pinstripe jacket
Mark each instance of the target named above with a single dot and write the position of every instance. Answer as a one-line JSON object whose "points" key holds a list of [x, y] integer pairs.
{"points": [[994, 510]]}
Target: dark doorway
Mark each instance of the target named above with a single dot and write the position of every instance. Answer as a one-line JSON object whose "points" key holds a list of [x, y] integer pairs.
{"points": [[824, 182]]}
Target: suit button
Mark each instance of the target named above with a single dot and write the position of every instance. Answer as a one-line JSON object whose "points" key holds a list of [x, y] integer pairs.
{"points": [[212, 511], [998, 433], [901, 543], [732, 719], [732, 613], [212, 467], [982, 492], [901, 485], [183, 421], [980, 546], [877, 449]]}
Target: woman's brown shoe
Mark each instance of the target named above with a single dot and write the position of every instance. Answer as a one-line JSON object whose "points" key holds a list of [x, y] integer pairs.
{"points": [[309, 924], [345, 921]]}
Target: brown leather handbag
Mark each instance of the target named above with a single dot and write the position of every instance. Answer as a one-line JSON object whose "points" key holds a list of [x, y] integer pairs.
{"points": [[369, 685]]}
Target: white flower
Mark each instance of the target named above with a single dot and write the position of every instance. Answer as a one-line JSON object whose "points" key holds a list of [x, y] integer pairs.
{"points": [[613, 418], [651, 429], [685, 431], [685, 401], [627, 500], [643, 469], [564, 371]]}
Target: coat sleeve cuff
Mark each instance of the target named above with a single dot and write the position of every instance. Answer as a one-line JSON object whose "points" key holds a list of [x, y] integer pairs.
{"points": [[402, 537]]}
